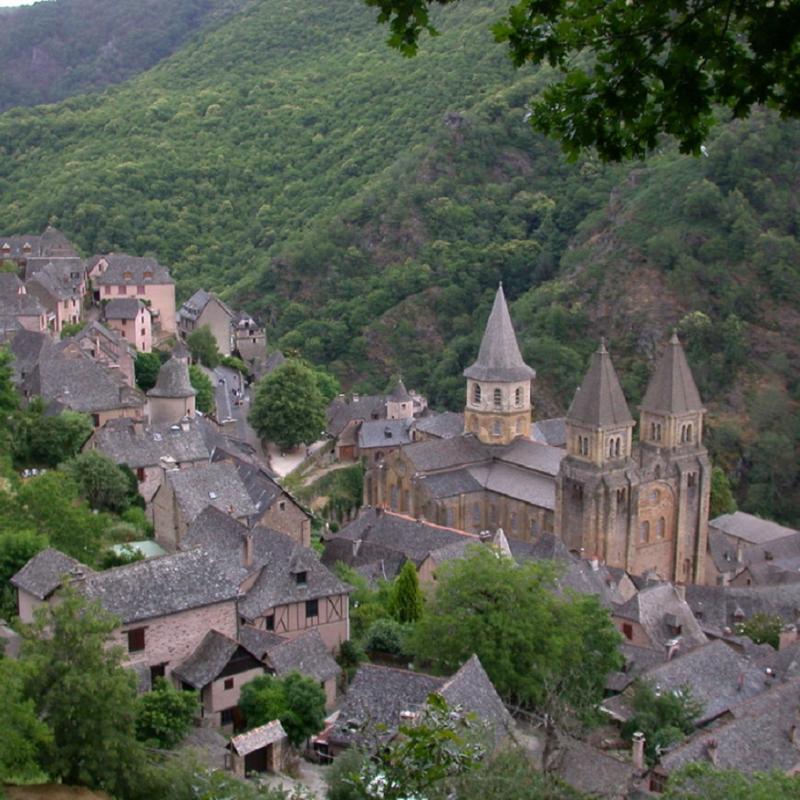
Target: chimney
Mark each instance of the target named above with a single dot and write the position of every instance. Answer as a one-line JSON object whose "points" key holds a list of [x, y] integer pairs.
{"points": [[637, 752], [185, 424], [680, 588], [356, 547], [711, 751], [672, 647], [595, 562], [247, 550]]}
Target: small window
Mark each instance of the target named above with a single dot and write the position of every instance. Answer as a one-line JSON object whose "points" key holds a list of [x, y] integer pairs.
{"points": [[281, 505], [658, 432], [497, 428], [148, 276], [655, 496], [122, 290], [620, 496], [498, 398], [140, 290], [143, 332], [301, 578], [126, 276], [136, 640], [534, 527], [661, 528], [690, 479], [269, 622], [644, 531], [513, 521], [627, 630], [312, 608], [493, 514], [226, 716], [449, 517], [518, 396], [617, 446], [228, 683], [476, 393], [476, 513]]}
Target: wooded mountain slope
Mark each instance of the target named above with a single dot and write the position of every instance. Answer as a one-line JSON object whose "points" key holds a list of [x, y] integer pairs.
{"points": [[51, 50], [366, 206]]}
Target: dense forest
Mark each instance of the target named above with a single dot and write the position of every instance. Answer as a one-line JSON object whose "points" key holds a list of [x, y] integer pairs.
{"points": [[52, 50], [365, 206]]}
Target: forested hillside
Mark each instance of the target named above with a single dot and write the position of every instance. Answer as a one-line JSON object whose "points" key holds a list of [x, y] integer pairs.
{"points": [[365, 206], [51, 50]]}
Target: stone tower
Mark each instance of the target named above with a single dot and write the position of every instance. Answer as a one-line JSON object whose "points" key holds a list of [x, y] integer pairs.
{"points": [[498, 407], [675, 472], [399, 404], [172, 398], [597, 480]]}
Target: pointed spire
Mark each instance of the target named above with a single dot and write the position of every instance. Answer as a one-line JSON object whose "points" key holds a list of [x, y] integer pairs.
{"points": [[499, 358], [672, 389], [399, 393], [173, 380], [600, 401]]}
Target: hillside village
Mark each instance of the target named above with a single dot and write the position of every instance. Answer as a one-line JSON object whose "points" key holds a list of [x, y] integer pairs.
{"points": [[241, 578]]}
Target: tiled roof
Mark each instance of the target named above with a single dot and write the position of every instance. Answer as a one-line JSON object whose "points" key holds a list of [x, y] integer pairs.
{"points": [[672, 389], [440, 454], [121, 265], [378, 433], [599, 400], [207, 661], [61, 278], [50, 243], [499, 358], [750, 528], [343, 411], [551, 431], [215, 485], [257, 738], [26, 347], [399, 394], [156, 587], [122, 308], [196, 304], [173, 380], [592, 771], [120, 441], [374, 561], [259, 642], [273, 361], [10, 284], [517, 483], [21, 305], [307, 654], [450, 484], [533, 455], [43, 574], [720, 607], [441, 426]]}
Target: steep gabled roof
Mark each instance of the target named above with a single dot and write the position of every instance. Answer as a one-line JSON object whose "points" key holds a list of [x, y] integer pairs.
{"points": [[599, 401], [307, 654], [499, 358], [43, 574], [400, 393], [208, 659], [672, 389]]}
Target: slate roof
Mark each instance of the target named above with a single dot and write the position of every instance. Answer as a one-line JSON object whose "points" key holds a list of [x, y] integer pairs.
{"points": [[343, 411], [471, 689], [370, 711], [173, 380], [307, 654], [415, 539], [777, 561], [119, 265], [757, 739], [716, 675], [441, 426], [450, 484], [399, 394], [672, 389], [10, 284], [120, 441], [749, 527], [533, 455], [599, 400], [50, 243], [259, 642], [60, 279], [246, 743], [371, 559], [517, 483], [21, 305], [592, 771], [499, 358], [207, 660], [217, 485], [122, 308], [262, 487], [440, 454], [43, 574], [72, 266], [374, 434], [551, 431], [718, 607], [196, 304], [650, 608], [26, 347], [156, 587]]}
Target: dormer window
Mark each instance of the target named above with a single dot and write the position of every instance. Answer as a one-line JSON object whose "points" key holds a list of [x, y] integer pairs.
{"points": [[148, 276], [127, 276], [301, 578]]}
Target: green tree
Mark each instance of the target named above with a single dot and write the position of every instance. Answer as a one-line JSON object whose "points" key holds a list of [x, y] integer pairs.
{"points": [[762, 629], [722, 500], [703, 782], [50, 440], [72, 329], [100, 481], [663, 717], [146, 367], [387, 636], [327, 384], [632, 71], [287, 406], [408, 603], [17, 547], [297, 701], [9, 400], [203, 347], [533, 644], [164, 716], [205, 389], [23, 735], [86, 697]]}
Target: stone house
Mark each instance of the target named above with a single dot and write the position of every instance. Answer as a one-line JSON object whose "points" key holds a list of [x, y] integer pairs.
{"points": [[250, 342], [185, 494], [275, 508], [108, 348], [28, 248], [206, 309], [16, 304], [150, 452], [131, 319], [173, 397], [259, 750], [131, 276], [59, 286], [284, 588], [377, 438]]}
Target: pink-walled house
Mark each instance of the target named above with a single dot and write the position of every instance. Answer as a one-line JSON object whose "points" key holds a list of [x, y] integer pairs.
{"points": [[131, 318]]}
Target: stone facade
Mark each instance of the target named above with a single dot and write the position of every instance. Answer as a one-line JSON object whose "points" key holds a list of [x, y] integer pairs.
{"points": [[285, 516]]}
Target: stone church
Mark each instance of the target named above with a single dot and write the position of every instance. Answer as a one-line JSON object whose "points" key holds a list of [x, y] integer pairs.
{"points": [[640, 506]]}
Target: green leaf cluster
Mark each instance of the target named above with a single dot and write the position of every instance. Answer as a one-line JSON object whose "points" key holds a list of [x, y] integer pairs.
{"points": [[164, 715]]}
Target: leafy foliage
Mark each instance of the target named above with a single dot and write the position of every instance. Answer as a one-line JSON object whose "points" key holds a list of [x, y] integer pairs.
{"points": [[703, 782], [407, 599], [146, 367], [48, 440], [288, 407], [297, 701], [722, 499], [203, 347], [762, 629], [205, 400], [17, 547], [663, 717], [164, 716], [99, 480], [387, 636]]}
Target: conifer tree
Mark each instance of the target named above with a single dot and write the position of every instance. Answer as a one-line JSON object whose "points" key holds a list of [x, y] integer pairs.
{"points": [[408, 600]]}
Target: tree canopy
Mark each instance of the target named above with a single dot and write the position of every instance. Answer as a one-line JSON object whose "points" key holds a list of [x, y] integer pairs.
{"points": [[703, 782], [203, 347], [164, 716], [632, 71], [205, 399], [288, 407], [100, 481]]}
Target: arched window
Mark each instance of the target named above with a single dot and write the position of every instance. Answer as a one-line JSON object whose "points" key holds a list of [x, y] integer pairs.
{"points": [[497, 428], [611, 448], [476, 393], [393, 498], [620, 496], [449, 517], [617, 446], [661, 528], [498, 398], [658, 432], [689, 432], [653, 431], [518, 396], [644, 531], [657, 472]]}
